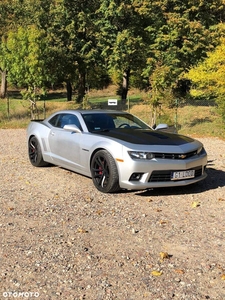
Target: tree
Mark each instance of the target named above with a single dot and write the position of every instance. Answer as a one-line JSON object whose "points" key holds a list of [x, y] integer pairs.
{"points": [[121, 39], [71, 36], [24, 52], [13, 15], [3, 73], [181, 34], [208, 77], [149, 43], [6, 16]]}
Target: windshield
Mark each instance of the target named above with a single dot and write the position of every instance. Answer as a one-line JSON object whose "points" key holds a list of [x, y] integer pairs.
{"points": [[108, 121]]}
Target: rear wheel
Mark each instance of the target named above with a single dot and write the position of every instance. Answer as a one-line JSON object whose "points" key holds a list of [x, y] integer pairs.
{"points": [[104, 172], [35, 154]]}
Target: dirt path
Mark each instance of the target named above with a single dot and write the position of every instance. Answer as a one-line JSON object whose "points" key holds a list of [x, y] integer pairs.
{"points": [[62, 239]]}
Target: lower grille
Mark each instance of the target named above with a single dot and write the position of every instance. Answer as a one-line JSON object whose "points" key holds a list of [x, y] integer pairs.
{"points": [[162, 176]]}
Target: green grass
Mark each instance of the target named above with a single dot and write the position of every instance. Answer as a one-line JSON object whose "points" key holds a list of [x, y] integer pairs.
{"points": [[200, 121], [191, 120]]}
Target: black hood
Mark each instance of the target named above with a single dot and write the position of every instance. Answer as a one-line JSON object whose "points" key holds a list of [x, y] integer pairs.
{"points": [[146, 137]]}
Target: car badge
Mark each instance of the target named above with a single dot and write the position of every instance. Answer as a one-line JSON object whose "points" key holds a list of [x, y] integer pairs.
{"points": [[182, 156]]}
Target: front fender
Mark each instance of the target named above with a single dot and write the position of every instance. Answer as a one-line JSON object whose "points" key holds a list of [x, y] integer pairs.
{"points": [[114, 148]]}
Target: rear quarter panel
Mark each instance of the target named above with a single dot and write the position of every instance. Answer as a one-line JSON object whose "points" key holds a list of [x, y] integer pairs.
{"points": [[41, 132]]}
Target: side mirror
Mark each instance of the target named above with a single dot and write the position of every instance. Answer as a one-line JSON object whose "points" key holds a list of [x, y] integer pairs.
{"points": [[166, 128], [162, 127], [72, 128]]}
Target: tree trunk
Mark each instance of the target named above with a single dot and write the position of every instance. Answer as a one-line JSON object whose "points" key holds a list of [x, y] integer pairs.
{"points": [[3, 84], [69, 90], [125, 86], [81, 86]]}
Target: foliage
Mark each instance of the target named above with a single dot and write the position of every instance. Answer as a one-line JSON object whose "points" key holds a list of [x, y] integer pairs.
{"points": [[71, 36], [183, 37], [121, 39], [146, 44], [208, 78], [24, 55]]}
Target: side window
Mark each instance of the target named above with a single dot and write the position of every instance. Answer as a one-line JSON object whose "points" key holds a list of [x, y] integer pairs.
{"points": [[55, 121], [65, 119], [70, 119]]}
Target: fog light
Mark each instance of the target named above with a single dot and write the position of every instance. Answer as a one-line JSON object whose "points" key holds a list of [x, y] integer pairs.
{"points": [[136, 176]]}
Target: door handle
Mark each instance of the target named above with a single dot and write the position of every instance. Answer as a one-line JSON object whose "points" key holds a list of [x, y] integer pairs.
{"points": [[52, 133]]}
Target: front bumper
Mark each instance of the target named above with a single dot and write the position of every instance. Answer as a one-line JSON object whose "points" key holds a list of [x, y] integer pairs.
{"points": [[156, 173]]}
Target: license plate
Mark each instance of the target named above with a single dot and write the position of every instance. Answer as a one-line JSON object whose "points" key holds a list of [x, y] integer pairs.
{"points": [[183, 175]]}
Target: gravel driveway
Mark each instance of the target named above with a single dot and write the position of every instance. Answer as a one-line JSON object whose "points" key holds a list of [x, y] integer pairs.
{"points": [[62, 239]]}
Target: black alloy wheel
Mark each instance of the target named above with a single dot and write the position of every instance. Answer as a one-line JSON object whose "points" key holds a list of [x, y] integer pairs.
{"points": [[104, 172], [35, 154]]}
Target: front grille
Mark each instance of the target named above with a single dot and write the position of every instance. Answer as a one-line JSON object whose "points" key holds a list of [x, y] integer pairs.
{"points": [[175, 155], [162, 176]]}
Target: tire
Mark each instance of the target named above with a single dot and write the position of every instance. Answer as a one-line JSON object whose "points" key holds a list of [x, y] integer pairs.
{"points": [[104, 172], [35, 154]]}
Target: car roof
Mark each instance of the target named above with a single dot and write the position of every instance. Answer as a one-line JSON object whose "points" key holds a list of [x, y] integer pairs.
{"points": [[91, 111]]}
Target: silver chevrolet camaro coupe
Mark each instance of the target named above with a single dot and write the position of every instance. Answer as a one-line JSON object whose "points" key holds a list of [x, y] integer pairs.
{"points": [[116, 149]]}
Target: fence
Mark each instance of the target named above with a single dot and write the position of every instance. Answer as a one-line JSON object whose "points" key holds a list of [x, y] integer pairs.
{"points": [[199, 117], [194, 117]]}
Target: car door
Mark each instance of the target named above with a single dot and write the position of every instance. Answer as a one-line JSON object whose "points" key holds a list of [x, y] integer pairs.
{"points": [[65, 146]]}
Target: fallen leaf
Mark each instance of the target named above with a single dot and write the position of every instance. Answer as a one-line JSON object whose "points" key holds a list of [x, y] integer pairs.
{"points": [[81, 230], [156, 273], [89, 199], [220, 268], [11, 208], [221, 199], [223, 277], [163, 222], [195, 204], [146, 295], [163, 255], [179, 271], [150, 200]]}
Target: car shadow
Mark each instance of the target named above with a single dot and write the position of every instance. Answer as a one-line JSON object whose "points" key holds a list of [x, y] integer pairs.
{"points": [[214, 180]]}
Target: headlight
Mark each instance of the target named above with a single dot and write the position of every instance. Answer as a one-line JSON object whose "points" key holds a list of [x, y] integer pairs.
{"points": [[200, 150], [141, 155]]}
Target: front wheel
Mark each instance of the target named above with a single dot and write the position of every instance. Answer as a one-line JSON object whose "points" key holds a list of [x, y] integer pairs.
{"points": [[104, 172], [35, 154]]}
